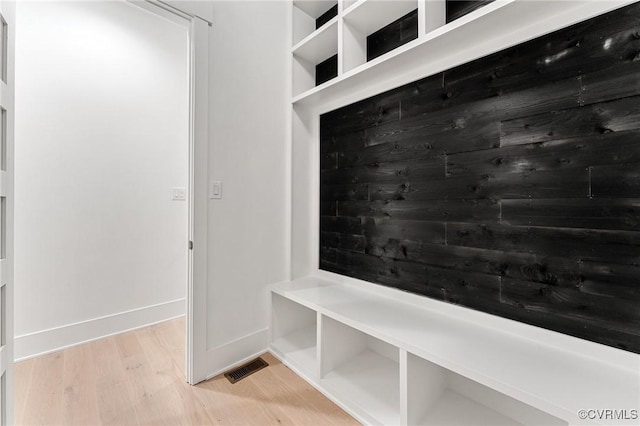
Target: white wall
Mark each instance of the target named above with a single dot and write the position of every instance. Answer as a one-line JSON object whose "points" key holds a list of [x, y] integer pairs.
{"points": [[101, 138], [248, 151]]}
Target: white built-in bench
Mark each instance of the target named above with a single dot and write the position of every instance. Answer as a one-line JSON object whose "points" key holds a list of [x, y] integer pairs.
{"points": [[389, 357]]}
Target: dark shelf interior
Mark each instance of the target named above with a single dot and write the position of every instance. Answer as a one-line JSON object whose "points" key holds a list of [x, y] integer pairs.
{"points": [[392, 36], [459, 8], [327, 16], [326, 70]]}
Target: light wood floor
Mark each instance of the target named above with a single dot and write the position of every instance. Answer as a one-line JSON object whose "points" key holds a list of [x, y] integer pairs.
{"points": [[137, 378]]}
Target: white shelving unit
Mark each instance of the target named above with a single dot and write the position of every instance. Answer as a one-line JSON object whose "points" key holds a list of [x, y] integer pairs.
{"points": [[294, 333], [391, 358], [386, 356], [523, 19]]}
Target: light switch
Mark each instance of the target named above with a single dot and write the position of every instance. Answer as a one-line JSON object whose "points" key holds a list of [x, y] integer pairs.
{"points": [[215, 189], [178, 194]]}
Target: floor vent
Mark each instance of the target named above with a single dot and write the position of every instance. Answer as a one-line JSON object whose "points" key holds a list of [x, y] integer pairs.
{"points": [[245, 370]]}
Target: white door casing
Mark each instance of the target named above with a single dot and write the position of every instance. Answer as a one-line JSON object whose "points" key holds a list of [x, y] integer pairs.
{"points": [[7, 92]]}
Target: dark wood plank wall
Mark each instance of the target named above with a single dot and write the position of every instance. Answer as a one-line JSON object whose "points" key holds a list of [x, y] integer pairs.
{"points": [[509, 185]]}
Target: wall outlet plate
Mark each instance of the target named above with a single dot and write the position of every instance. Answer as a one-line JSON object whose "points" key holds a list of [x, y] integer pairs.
{"points": [[178, 194], [215, 189]]}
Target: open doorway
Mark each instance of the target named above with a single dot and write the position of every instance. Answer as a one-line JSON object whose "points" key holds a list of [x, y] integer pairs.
{"points": [[102, 172]]}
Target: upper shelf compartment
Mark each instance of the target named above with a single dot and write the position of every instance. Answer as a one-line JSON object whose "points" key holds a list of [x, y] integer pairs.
{"points": [[369, 16], [372, 28], [315, 59], [310, 15]]}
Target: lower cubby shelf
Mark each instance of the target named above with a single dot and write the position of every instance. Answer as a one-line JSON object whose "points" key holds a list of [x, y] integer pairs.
{"points": [[294, 333], [362, 371], [387, 361], [439, 397]]}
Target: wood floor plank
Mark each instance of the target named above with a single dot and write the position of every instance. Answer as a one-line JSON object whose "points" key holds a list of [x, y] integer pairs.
{"points": [[80, 403], [44, 406], [112, 390], [297, 396], [24, 371], [241, 403], [115, 404], [137, 378]]}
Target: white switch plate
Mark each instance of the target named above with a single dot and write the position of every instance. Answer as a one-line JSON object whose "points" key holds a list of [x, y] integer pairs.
{"points": [[178, 194], [215, 189]]}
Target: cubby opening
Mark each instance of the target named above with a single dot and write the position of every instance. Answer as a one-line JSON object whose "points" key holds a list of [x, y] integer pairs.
{"points": [[294, 333], [362, 370], [311, 15], [393, 35], [437, 396], [315, 58], [373, 28]]}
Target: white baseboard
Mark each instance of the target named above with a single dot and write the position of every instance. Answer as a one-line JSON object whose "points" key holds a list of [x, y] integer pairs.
{"points": [[236, 352], [45, 341]]}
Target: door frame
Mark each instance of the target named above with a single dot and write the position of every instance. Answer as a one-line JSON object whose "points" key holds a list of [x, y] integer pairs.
{"points": [[190, 15], [7, 103]]}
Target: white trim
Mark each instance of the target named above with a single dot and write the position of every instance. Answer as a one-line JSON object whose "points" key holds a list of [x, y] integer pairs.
{"points": [[196, 336], [289, 149], [224, 357], [53, 339], [194, 9]]}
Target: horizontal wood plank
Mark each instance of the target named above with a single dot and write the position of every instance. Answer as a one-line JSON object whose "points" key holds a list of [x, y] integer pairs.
{"points": [[482, 211], [620, 214], [570, 303], [345, 225], [616, 181], [611, 281], [455, 104], [569, 183], [616, 82], [355, 243], [403, 149], [578, 244], [447, 135], [614, 116], [416, 168], [358, 191], [417, 230], [599, 149]]}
